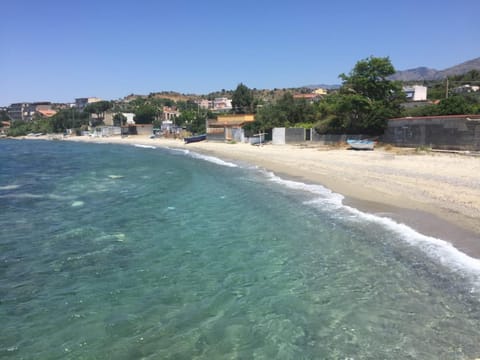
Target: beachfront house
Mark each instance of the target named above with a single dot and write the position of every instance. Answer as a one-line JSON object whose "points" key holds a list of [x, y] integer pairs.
{"points": [[228, 127]]}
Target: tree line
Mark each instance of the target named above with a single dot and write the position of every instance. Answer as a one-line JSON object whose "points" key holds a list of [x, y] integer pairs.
{"points": [[366, 99], [146, 111], [364, 102]]}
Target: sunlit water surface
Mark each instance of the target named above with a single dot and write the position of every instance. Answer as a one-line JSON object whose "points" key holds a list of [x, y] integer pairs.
{"points": [[123, 252]]}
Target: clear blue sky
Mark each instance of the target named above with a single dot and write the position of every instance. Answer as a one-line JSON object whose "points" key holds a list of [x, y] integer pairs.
{"points": [[54, 50]]}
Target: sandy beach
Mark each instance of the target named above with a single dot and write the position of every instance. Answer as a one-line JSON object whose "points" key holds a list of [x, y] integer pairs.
{"points": [[436, 194]]}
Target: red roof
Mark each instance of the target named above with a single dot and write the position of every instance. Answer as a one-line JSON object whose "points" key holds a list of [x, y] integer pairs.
{"points": [[47, 113]]}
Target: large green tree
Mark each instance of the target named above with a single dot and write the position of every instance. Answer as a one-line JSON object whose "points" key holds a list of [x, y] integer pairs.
{"points": [[98, 108], [286, 112], [242, 100], [68, 119], [366, 99], [369, 78], [145, 114], [61, 121], [455, 105], [119, 119], [4, 116]]}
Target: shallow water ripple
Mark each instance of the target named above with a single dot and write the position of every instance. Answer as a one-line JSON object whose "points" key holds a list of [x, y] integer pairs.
{"points": [[128, 252]]}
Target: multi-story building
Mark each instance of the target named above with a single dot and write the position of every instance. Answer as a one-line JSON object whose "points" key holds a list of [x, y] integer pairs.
{"points": [[205, 104], [222, 104], [18, 111], [81, 103], [26, 111], [170, 113]]}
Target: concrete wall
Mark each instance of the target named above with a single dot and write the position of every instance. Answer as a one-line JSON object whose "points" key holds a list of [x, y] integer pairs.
{"points": [[457, 132], [278, 136], [294, 135], [332, 139], [107, 131], [281, 136], [238, 135], [144, 129], [227, 134], [216, 137]]}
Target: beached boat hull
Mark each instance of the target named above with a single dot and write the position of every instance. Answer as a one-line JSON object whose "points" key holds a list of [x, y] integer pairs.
{"points": [[361, 144], [196, 138]]}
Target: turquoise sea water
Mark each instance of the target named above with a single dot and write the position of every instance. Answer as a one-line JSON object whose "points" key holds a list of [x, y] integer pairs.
{"points": [[123, 252]]}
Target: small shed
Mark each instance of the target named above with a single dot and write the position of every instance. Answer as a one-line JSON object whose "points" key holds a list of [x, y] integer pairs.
{"points": [[228, 127]]}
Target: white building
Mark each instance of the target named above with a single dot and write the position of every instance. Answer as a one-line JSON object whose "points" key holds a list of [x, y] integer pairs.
{"points": [[222, 104], [466, 89], [217, 104], [416, 92], [204, 104]]}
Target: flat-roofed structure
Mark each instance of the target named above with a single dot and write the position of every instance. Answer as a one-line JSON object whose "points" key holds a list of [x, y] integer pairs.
{"points": [[453, 132]]}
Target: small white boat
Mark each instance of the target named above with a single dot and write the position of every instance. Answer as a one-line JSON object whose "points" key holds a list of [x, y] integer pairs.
{"points": [[361, 144]]}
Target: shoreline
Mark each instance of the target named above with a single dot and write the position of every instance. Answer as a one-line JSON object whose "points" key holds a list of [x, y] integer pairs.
{"points": [[437, 195]]}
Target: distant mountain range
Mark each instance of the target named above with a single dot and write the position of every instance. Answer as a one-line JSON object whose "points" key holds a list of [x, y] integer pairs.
{"points": [[424, 73]]}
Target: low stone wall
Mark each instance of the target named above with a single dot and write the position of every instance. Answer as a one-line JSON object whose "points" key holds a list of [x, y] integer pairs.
{"points": [[295, 135], [144, 129], [333, 139], [216, 137], [457, 132], [282, 136]]}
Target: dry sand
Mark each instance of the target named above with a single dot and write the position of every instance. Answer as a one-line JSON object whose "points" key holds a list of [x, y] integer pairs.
{"points": [[436, 194]]}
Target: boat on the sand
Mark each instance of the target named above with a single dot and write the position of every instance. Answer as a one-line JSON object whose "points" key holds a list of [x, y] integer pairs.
{"points": [[361, 144], [195, 138]]}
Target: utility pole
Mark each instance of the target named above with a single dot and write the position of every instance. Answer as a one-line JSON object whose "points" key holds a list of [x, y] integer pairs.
{"points": [[446, 90]]}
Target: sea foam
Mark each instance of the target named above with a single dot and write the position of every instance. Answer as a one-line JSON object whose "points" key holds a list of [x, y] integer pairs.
{"points": [[203, 157], [441, 250], [145, 146], [9, 187]]}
